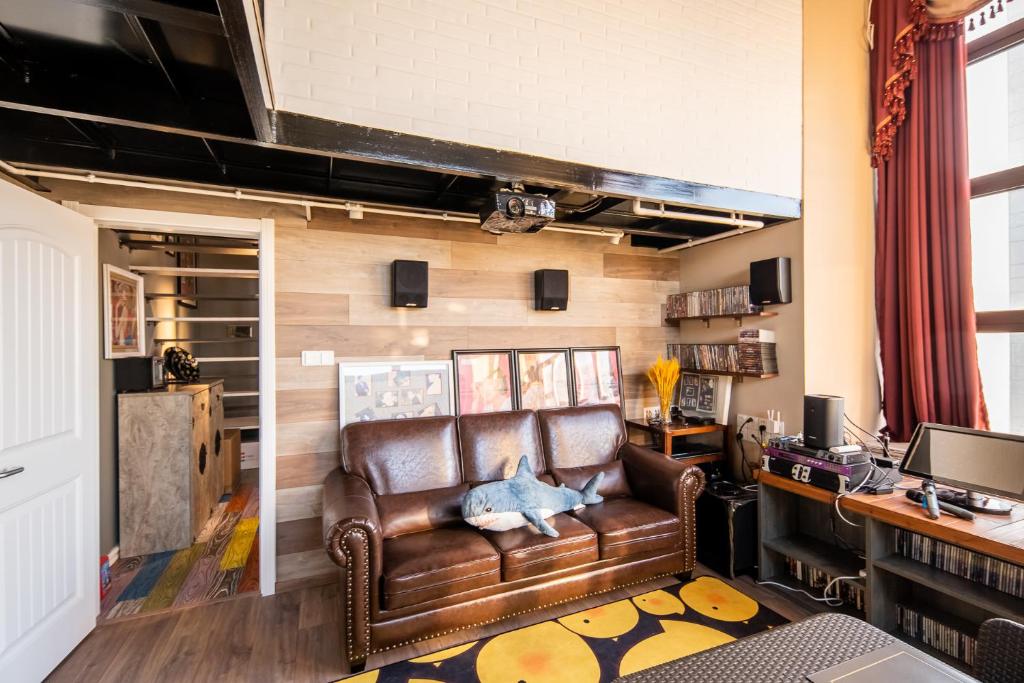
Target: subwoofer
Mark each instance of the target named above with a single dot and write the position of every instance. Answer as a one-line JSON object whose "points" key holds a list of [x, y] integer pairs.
{"points": [[770, 281], [550, 290], [409, 284]]}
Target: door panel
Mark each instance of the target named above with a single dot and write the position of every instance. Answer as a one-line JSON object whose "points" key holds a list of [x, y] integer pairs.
{"points": [[49, 362], [36, 310]]}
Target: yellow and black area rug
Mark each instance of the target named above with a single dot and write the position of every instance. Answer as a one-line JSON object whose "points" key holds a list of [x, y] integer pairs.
{"points": [[598, 644]]}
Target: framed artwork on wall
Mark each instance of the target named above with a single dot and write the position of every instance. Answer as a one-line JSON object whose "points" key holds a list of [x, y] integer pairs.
{"points": [[484, 381], [389, 390], [124, 313], [597, 376], [543, 379]]}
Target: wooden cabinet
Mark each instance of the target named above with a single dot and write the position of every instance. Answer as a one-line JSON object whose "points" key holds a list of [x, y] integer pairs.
{"points": [[170, 467]]}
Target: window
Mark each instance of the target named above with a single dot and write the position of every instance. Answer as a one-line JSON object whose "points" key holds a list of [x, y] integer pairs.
{"points": [[995, 112]]}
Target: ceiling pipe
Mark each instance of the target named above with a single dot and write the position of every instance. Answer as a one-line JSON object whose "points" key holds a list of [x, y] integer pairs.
{"points": [[705, 240], [662, 212]]}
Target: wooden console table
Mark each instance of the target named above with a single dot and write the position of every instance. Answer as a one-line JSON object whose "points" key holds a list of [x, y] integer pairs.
{"points": [[786, 511], [671, 430]]}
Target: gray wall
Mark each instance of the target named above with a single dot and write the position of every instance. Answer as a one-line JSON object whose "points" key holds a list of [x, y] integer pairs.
{"points": [[109, 252]]}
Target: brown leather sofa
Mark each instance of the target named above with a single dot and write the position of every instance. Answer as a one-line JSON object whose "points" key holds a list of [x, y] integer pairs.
{"points": [[412, 569]]}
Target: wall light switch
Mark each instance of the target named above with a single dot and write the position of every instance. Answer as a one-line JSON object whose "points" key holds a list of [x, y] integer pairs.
{"points": [[327, 358], [310, 358]]}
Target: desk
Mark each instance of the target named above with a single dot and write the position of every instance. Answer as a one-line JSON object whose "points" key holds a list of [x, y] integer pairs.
{"points": [[888, 577], [670, 430]]}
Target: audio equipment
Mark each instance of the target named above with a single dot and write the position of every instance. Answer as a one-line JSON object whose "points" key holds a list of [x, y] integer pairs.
{"points": [[770, 281], [821, 473], [823, 421], [138, 374], [727, 529], [550, 290], [409, 284]]}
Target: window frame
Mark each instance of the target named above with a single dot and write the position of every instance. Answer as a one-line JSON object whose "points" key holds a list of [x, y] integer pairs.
{"points": [[991, 44]]}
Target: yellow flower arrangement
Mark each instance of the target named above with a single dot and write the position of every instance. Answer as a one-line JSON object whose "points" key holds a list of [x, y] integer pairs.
{"points": [[664, 374]]}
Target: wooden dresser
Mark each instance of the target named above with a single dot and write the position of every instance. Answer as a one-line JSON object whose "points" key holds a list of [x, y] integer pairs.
{"points": [[170, 469]]}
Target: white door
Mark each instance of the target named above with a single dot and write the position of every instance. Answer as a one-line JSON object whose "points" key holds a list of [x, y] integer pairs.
{"points": [[49, 512]]}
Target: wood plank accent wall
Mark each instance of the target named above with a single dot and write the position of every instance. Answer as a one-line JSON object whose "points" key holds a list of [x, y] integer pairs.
{"points": [[333, 290]]}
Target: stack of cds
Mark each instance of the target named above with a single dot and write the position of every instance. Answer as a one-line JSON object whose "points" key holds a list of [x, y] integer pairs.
{"points": [[757, 352], [850, 593], [967, 564], [709, 357], [754, 355], [932, 632], [710, 302]]}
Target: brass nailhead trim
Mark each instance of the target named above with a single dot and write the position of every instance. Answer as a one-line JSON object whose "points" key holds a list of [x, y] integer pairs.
{"points": [[349, 612]]}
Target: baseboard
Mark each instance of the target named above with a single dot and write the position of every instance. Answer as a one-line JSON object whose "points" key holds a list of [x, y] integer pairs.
{"points": [[113, 555]]}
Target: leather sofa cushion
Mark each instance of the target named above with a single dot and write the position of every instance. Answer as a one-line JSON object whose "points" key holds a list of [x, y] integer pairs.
{"points": [[587, 435], [400, 456], [432, 564], [526, 552], [614, 484], [407, 513], [626, 526], [493, 443]]}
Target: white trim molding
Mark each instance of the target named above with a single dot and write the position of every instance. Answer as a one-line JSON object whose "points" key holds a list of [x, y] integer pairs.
{"points": [[220, 226]]}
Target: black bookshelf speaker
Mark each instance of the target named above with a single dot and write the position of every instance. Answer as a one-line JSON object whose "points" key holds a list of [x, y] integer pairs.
{"points": [[823, 420], [409, 284], [550, 290], [770, 281]]}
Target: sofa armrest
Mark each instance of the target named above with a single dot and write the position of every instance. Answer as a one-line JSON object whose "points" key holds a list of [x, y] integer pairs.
{"points": [[352, 536], [669, 485]]}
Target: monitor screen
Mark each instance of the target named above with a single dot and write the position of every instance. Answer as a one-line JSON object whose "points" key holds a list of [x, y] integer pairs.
{"points": [[967, 458]]}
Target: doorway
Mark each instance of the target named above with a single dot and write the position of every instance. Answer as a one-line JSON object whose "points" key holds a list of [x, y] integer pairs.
{"points": [[208, 285]]}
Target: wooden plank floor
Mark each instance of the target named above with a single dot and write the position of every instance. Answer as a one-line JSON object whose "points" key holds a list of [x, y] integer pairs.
{"points": [[291, 636]]}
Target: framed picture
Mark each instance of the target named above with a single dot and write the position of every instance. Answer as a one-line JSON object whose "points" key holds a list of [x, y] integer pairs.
{"points": [[543, 379], [124, 312], [484, 381], [597, 376], [188, 285], [388, 390]]}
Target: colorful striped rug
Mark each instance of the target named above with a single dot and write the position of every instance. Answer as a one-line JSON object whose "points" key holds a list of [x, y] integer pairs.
{"points": [[224, 561]]}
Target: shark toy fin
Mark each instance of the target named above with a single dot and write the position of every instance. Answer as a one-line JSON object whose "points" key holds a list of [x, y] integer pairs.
{"points": [[524, 469], [534, 518], [590, 490]]}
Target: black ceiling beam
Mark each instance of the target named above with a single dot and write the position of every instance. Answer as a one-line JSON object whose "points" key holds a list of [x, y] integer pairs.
{"points": [[349, 141], [92, 134], [308, 135], [174, 15], [243, 53], [159, 53], [152, 38]]}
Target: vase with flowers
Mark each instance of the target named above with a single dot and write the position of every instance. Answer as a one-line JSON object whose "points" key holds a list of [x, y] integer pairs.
{"points": [[664, 374]]}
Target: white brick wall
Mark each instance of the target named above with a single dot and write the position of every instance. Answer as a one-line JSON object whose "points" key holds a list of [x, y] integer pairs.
{"points": [[701, 90]]}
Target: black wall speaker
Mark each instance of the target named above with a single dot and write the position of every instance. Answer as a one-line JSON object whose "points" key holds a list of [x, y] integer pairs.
{"points": [[409, 284], [550, 290], [770, 281], [823, 420]]}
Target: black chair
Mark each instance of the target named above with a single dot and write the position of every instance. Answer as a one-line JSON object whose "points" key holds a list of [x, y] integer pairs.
{"points": [[999, 657]]}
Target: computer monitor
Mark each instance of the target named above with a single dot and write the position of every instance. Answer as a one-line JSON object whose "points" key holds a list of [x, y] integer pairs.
{"points": [[980, 462]]}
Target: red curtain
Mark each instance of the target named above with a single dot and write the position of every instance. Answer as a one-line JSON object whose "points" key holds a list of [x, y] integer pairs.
{"points": [[924, 296]]}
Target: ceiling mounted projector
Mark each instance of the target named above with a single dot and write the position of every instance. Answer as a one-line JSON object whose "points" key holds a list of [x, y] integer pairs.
{"points": [[513, 210]]}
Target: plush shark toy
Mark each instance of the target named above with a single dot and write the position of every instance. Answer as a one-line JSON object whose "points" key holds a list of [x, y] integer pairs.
{"points": [[522, 500]]}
